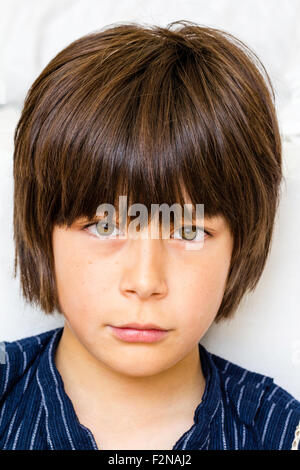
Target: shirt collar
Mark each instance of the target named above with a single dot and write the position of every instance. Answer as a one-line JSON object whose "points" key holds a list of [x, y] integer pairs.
{"points": [[64, 431]]}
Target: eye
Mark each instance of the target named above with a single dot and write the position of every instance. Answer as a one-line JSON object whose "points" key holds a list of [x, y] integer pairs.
{"points": [[101, 229], [191, 233]]}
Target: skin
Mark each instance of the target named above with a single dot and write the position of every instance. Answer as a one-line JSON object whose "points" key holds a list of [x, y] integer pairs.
{"points": [[116, 281]]}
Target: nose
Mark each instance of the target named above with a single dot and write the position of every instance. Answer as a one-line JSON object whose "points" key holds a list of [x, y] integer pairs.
{"points": [[144, 273]]}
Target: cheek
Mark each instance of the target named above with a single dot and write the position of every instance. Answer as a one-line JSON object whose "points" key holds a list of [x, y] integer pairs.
{"points": [[211, 284], [83, 284], [201, 291]]}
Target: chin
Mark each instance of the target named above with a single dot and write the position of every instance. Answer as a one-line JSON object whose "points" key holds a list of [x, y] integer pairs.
{"points": [[133, 371]]}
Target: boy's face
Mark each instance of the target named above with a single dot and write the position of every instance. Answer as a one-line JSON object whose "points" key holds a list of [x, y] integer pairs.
{"points": [[112, 282]]}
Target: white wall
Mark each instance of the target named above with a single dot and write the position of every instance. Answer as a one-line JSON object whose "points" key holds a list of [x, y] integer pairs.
{"points": [[264, 335]]}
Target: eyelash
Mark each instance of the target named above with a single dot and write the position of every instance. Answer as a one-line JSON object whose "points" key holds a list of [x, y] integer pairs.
{"points": [[197, 226]]}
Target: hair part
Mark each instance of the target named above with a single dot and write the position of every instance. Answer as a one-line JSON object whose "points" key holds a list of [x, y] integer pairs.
{"points": [[153, 113]]}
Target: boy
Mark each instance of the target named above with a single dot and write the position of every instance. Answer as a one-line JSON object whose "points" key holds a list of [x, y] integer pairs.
{"points": [[161, 117]]}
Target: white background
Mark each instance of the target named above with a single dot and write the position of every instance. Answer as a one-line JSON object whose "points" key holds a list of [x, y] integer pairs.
{"points": [[264, 335]]}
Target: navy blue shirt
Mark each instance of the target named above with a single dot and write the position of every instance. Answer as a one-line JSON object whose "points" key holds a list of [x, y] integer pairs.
{"points": [[239, 409]]}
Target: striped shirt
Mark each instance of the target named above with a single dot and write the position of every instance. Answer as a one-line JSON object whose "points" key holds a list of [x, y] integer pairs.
{"points": [[239, 409]]}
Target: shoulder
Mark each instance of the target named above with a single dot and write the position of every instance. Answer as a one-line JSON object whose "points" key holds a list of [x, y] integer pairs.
{"points": [[17, 356], [270, 411], [278, 419]]}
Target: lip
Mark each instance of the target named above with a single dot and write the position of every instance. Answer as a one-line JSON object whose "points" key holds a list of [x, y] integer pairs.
{"points": [[138, 335], [137, 326]]}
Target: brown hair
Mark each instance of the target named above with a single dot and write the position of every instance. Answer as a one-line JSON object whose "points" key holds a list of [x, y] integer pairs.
{"points": [[135, 110]]}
